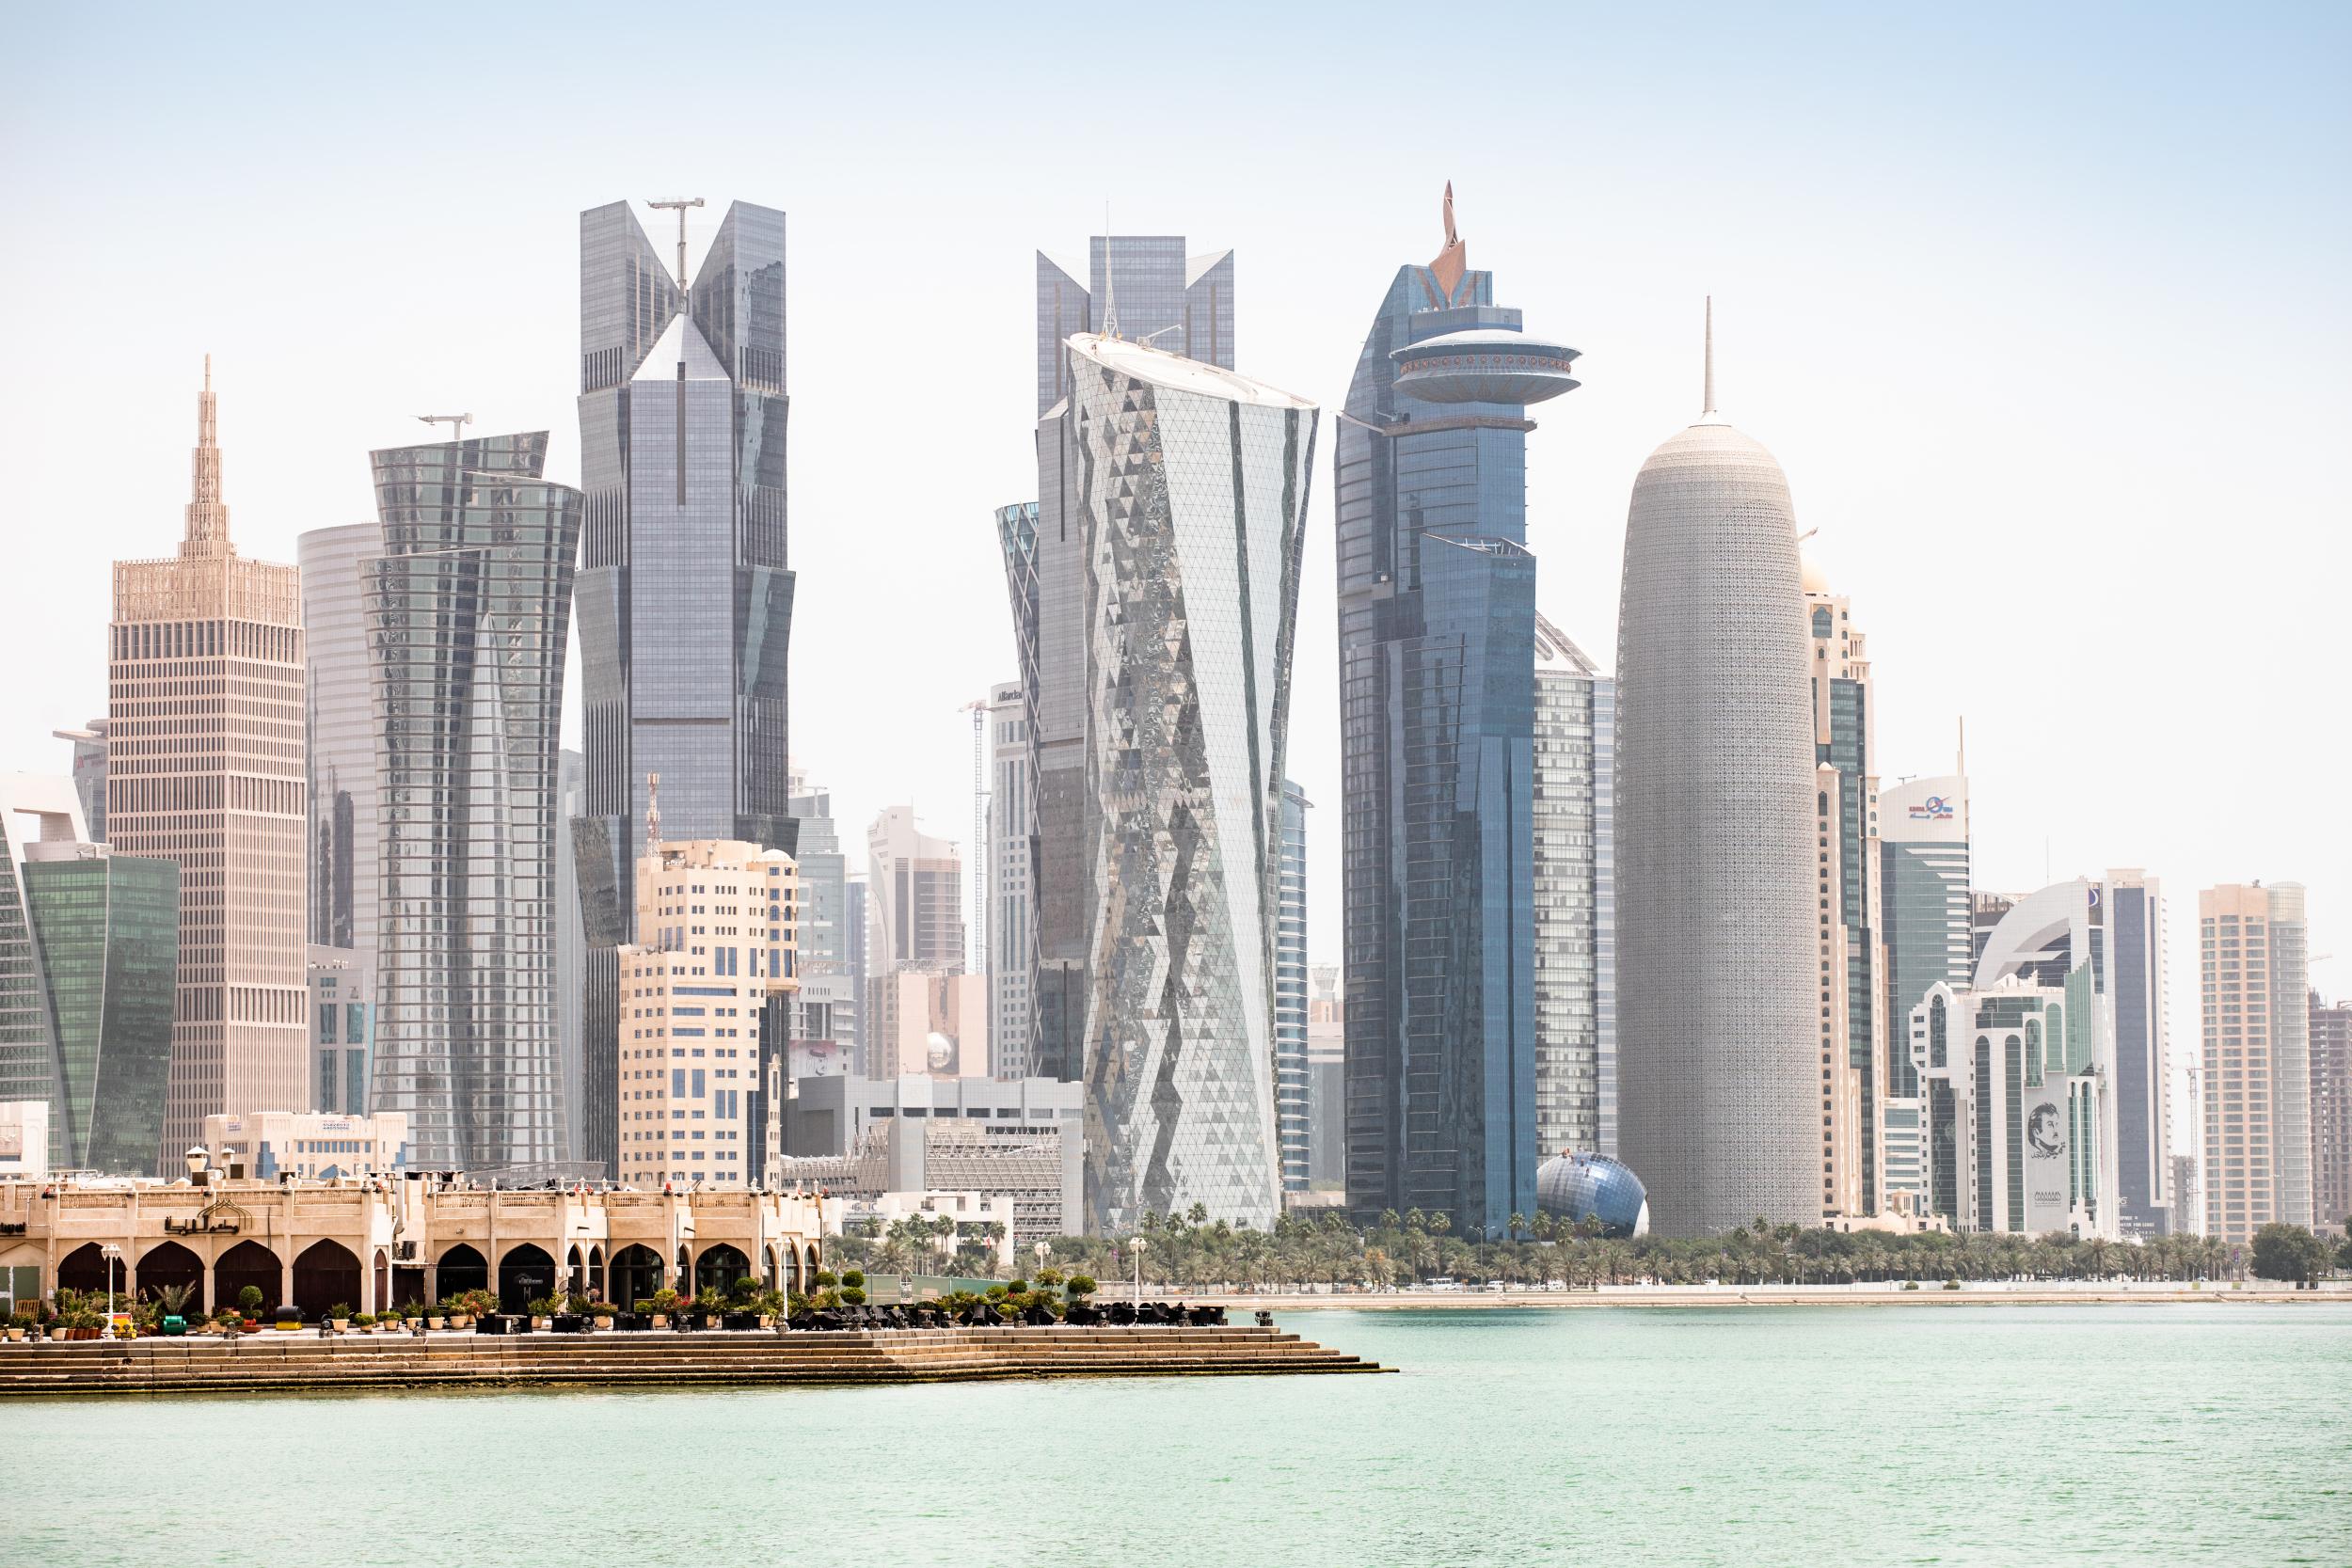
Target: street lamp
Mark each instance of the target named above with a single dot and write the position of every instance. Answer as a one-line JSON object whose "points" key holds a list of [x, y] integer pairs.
{"points": [[1135, 1245], [111, 1253], [1042, 1251]]}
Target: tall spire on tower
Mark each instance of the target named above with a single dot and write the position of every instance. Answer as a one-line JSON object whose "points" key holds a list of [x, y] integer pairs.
{"points": [[207, 533], [1454, 258], [1710, 408]]}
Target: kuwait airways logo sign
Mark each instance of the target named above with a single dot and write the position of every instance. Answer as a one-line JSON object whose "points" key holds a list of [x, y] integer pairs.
{"points": [[1935, 808]]}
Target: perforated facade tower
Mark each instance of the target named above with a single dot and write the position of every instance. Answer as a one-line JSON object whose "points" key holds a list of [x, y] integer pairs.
{"points": [[685, 596], [1290, 1088], [1717, 935], [467, 610], [1437, 620], [1169, 546], [205, 767]]}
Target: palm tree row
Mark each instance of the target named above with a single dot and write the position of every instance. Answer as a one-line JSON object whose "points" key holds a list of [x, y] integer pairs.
{"points": [[1192, 1252]]}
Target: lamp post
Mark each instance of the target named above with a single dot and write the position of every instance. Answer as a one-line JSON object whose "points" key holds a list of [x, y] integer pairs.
{"points": [[1042, 1251], [111, 1252], [1135, 1245]]}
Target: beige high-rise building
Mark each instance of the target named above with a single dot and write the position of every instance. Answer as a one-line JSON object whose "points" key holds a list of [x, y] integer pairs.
{"points": [[205, 767], [717, 923], [2253, 966], [1846, 886]]}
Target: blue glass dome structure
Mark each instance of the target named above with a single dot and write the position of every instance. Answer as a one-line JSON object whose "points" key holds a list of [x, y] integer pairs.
{"points": [[1575, 1186]]}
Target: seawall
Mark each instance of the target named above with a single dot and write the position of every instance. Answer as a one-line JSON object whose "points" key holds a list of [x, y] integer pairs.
{"points": [[272, 1362]]}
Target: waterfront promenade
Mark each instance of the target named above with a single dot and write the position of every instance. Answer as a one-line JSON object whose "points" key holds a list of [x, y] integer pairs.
{"points": [[1930, 1293], [273, 1362]]}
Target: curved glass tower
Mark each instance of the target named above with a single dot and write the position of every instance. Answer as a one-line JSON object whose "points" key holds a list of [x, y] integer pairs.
{"points": [[1438, 722], [1183, 508], [1719, 1102], [466, 615]]}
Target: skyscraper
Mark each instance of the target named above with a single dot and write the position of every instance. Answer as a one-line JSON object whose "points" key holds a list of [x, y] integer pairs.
{"points": [[89, 944], [2133, 911], [90, 774], [1719, 1038], [2102, 940], [914, 927], [1436, 593], [2257, 1048], [1147, 289], [571, 957], [2331, 1113], [1924, 920], [341, 732], [685, 596], [1846, 828], [1172, 499], [1567, 895], [1010, 956], [218, 786], [693, 994], [1292, 1130], [827, 1005], [466, 612]]}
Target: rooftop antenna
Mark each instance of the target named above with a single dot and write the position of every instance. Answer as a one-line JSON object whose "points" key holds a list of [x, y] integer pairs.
{"points": [[678, 204], [457, 422], [1110, 281], [1711, 358], [1963, 746]]}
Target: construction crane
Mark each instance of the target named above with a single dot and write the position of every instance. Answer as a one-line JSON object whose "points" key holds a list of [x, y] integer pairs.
{"points": [[679, 205], [457, 422], [976, 962]]}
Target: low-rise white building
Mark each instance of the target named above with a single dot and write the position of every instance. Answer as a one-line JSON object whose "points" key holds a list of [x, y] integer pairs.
{"points": [[312, 1145]]}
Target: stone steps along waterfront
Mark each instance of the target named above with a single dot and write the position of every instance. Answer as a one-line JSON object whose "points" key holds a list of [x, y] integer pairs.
{"points": [[260, 1363]]}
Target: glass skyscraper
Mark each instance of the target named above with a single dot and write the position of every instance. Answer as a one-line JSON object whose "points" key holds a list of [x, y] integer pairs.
{"points": [[89, 944], [1436, 595], [1570, 736], [1926, 929], [466, 614], [1292, 1091], [1178, 303], [685, 597], [1170, 525]]}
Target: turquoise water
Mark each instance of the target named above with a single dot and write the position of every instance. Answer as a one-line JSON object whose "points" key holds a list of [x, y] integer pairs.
{"points": [[1817, 1435]]}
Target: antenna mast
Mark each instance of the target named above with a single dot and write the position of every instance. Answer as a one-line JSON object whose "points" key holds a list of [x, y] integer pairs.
{"points": [[678, 204], [1110, 281], [1711, 357]]}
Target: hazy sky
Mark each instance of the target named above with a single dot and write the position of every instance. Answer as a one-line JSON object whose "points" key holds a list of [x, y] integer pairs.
{"points": [[2042, 308]]}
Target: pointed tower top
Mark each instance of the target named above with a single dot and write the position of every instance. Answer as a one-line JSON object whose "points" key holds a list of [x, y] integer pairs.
{"points": [[1454, 260], [1110, 280], [207, 531], [1709, 406]]}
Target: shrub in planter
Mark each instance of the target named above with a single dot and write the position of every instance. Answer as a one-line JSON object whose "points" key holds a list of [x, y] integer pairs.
{"points": [[852, 1295], [825, 1277], [1951, 1285], [340, 1315], [855, 1277], [249, 1300], [1079, 1284], [364, 1319]]}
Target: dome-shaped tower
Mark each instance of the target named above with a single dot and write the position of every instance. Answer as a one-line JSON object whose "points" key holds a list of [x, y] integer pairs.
{"points": [[1719, 1102]]}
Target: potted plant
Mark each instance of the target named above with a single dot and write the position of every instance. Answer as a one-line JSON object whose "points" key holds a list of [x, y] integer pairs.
{"points": [[19, 1325], [541, 1308], [663, 1302], [249, 1309], [361, 1320], [340, 1315], [600, 1314]]}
